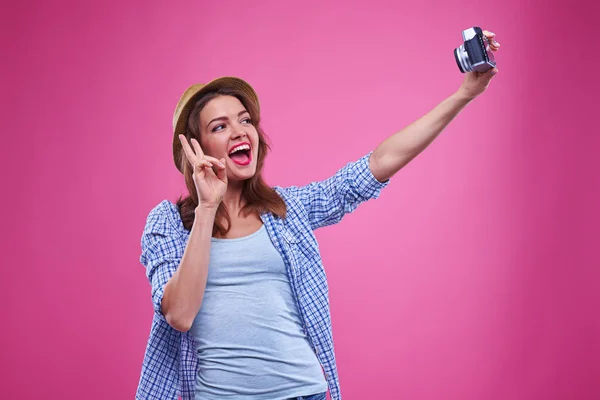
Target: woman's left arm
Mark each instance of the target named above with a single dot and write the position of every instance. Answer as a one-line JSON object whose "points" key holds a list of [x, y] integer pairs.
{"points": [[399, 149]]}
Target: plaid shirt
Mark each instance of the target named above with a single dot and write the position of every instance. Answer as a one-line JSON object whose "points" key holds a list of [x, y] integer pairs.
{"points": [[170, 363]]}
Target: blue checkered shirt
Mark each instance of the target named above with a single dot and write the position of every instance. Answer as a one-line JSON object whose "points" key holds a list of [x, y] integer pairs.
{"points": [[170, 362]]}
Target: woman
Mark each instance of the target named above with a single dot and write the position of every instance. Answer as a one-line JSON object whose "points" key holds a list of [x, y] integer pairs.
{"points": [[238, 286]]}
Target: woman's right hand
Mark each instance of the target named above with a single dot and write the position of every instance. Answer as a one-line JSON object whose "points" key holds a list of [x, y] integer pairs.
{"points": [[210, 186]]}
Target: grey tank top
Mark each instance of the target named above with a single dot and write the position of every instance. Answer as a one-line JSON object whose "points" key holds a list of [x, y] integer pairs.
{"points": [[249, 338]]}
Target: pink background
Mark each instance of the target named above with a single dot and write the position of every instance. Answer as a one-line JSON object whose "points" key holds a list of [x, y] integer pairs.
{"points": [[474, 276]]}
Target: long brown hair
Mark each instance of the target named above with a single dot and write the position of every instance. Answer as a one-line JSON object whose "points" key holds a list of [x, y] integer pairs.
{"points": [[260, 197]]}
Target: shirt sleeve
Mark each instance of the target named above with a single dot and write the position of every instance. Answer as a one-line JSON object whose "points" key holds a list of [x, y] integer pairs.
{"points": [[327, 201], [162, 250]]}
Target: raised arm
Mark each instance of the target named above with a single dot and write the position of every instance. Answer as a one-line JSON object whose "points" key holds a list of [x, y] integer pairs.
{"points": [[399, 149], [183, 292]]}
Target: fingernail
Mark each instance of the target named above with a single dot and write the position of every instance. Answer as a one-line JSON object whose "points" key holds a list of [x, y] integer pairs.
{"points": [[496, 43], [221, 165]]}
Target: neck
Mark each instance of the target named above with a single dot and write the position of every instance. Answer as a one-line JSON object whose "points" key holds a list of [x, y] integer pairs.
{"points": [[233, 198]]}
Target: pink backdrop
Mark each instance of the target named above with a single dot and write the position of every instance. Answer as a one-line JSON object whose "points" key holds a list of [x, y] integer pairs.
{"points": [[474, 276]]}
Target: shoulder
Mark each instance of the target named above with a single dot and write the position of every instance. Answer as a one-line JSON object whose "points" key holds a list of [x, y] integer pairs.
{"points": [[163, 233], [289, 195], [164, 217]]}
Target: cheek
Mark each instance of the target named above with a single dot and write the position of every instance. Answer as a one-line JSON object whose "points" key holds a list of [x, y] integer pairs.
{"points": [[254, 139], [214, 147]]}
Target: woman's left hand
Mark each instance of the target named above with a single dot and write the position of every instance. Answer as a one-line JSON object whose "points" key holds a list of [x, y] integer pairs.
{"points": [[475, 82]]}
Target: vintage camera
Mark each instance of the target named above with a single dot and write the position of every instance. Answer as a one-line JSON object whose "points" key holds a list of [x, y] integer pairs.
{"points": [[475, 53]]}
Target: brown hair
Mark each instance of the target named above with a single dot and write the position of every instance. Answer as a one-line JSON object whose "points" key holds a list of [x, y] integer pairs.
{"points": [[259, 196]]}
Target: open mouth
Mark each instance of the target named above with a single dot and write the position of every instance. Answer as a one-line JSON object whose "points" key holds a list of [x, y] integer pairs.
{"points": [[241, 154]]}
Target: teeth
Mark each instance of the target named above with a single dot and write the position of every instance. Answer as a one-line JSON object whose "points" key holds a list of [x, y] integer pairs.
{"points": [[242, 147]]}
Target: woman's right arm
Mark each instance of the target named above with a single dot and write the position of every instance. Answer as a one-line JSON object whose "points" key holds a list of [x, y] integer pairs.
{"points": [[184, 291]]}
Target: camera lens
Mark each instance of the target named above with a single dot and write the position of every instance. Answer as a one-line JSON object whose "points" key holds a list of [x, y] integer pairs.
{"points": [[462, 59]]}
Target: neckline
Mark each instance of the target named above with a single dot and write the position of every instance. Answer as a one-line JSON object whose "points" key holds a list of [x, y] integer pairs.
{"points": [[250, 236]]}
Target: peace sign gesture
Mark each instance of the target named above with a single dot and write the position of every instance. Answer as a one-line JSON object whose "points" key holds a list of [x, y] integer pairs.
{"points": [[210, 186]]}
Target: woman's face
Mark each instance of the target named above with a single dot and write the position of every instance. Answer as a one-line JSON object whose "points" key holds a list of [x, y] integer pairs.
{"points": [[226, 131]]}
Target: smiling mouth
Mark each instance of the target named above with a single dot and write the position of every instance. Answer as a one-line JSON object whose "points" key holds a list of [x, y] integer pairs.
{"points": [[241, 155]]}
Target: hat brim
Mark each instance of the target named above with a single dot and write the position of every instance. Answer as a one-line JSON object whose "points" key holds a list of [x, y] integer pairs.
{"points": [[188, 100]]}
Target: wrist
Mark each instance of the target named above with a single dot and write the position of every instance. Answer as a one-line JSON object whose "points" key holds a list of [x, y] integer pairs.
{"points": [[206, 211], [463, 96]]}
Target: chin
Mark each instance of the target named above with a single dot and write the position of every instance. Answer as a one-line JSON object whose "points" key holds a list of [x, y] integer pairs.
{"points": [[243, 175]]}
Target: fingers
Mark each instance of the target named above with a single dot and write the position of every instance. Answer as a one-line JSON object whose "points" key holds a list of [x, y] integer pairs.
{"points": [[220, 167], [189, 153], [200, 161], [221, 171], [197, 147], [196, 158], [201, 164], [215, 161], [207, 163], [486, 75], [491, 36]]}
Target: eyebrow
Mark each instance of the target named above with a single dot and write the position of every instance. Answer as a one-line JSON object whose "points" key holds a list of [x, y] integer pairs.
{"points": [[225, 118]]}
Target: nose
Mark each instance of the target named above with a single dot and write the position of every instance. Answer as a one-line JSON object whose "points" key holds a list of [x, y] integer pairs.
{"points": [[238, 131]]}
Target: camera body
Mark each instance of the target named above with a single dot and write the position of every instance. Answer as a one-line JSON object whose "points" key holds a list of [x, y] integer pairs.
{"points": [[475, 53]]}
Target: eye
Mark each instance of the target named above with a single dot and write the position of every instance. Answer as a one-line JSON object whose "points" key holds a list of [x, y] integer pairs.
{"points": [[246, 120], [218, 128]]}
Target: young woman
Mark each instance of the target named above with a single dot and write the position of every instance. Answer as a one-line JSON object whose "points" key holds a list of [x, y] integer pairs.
{"points": [[238, 286]]}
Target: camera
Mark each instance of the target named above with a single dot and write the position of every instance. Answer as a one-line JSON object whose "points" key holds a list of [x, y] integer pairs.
{"points": [[475, 53]]}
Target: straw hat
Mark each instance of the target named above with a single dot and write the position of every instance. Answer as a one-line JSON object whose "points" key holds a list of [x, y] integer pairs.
{"points": [[192, 95]]}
